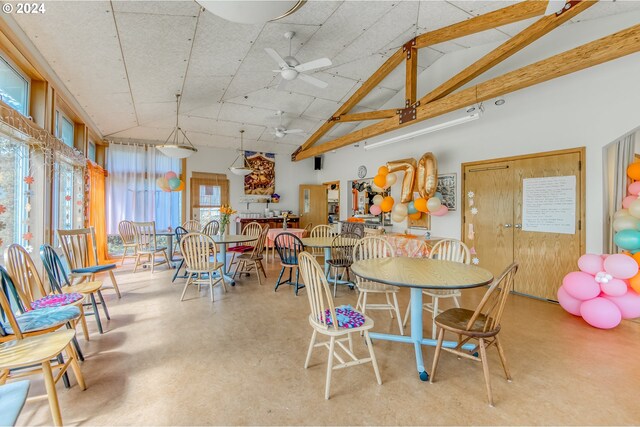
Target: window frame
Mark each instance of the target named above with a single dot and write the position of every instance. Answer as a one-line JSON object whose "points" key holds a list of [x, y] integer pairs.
{"points": [[12, 65]]}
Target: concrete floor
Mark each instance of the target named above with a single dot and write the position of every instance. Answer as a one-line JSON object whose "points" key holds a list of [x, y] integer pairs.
{"points": [[239, 360]]}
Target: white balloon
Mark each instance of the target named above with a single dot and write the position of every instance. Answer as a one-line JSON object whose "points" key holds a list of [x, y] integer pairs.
{"points": [[401, 210], [397, 218], [621, 213], [625, 223], [391, 179], [634, 208], [375, 188], [377, 200], [433, 204]]}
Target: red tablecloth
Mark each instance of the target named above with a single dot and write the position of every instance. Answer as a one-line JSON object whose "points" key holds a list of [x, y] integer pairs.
{"points": [[273, 232]]}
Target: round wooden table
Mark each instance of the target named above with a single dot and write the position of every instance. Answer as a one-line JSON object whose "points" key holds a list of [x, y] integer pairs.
{"points": [[223, 241], [418, 274], [320, 242]]}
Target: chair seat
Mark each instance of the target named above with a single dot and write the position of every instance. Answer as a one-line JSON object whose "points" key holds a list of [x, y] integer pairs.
{"points": [[83, 288], [45, 318], [367, 286], [12, 398], [34, 350], [94, 269], [339, 262], [213, 267], [442, 293], [240, 249], [249, 257], [456, 319], [56, 300], [368, 324]]}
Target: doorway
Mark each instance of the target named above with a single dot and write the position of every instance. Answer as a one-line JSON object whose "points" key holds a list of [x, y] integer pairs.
{"points": [[528, 209]]}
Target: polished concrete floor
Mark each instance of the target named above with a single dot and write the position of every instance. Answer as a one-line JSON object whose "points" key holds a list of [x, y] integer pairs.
{"points": [[239, 360]]}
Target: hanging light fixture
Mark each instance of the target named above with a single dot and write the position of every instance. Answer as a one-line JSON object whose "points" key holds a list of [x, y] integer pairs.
{"points": [[243, 170], [251, 12], [175, 148]]}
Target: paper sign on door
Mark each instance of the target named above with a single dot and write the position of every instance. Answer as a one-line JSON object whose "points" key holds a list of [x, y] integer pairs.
{"points": [[549, 204]]}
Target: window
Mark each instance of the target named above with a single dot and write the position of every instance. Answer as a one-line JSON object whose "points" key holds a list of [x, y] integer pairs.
{"points": [[64, 128], [209, 191], [91, 151], [14, 87], [210, 202], [68, 197], [14, 193]]}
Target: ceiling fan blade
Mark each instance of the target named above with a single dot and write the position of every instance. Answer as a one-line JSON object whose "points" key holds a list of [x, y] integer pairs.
{"points": [[554, 6], [288, 131], [276, 57], [283, 84], [312, 80], [312, 65]]}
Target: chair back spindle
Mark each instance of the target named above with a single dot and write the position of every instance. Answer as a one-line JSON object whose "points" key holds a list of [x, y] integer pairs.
{"points": [[342, 248], [372, 248], [54, 268], [146, 236], [211, 228], [492, 305], [79, 247], [451, 250], [10, 302], [192, 226], [198, 249], [25, 275], [127, 232], [318, 291], [288, 246]]}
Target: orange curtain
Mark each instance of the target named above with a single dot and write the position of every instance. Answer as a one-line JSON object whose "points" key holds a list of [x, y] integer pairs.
{"points": [[96, 207]]}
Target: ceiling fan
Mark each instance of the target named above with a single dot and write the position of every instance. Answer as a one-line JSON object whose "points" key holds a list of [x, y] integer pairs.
{"points": [[280, 131], [291, 68]]}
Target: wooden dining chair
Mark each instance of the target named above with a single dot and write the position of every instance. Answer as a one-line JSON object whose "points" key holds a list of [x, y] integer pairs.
{"points": [[148, 246], [341, 257], [374, 248], [307, 230], [211, 228], [192, 226], [328, 320], [252, 229], [446, 250], [30, 341], [200, 256], [481, 325], [289, 247], [249, 262], [320, 231], [128, 236], [180, 233], [59, 281], [80, 250]]}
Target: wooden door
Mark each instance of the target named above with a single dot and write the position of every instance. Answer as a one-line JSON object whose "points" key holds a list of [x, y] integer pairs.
{"points": [[545, 258], [313, 205], [492, 237]]}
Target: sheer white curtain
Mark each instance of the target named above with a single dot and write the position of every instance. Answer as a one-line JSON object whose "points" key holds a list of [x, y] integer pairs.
{"points": [[132, 193]]}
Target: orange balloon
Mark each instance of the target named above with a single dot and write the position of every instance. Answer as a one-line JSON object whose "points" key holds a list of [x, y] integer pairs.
{"points": [[633, 171], [383, 170], [387, 204], [416, 216], [380, 180], [180, 187], [634, 282], [421, 205], [636, 256]]}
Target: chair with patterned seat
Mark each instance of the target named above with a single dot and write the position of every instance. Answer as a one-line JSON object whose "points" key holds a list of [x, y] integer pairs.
{"points": [[128, 236], [375, 248], [249, 262], [289, 247], [251, 229], [59, 281], [148, 246], [80, 250]]}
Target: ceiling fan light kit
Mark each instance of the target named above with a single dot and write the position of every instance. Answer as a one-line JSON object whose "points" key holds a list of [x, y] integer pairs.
{"points": [[176, 149], [241, 170]]}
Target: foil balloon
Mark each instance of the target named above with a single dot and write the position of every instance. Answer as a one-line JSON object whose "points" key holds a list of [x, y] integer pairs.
{"points": [[427, 175], [408, 166]]}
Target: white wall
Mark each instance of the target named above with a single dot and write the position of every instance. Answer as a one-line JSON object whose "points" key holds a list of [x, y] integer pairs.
{"points": [[288, 176], [590, 108]]}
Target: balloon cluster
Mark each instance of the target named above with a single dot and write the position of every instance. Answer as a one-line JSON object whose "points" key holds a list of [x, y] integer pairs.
{"points": [[170, 182], [408, 207], [626, 221], [604, 291]]}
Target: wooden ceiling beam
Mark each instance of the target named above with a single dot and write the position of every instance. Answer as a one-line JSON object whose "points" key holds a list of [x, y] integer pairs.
{"points": [[506, 15], [518, 42], [606, 49], [369, 115], [411, 79]]}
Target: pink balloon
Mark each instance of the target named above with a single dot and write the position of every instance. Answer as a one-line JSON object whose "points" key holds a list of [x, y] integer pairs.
{"points": [[580, 285], [621, 266], [628, 200], [601, 313], [634, 189], [375, 210], [442, 210], [568, 302], [628, 304], [170, 175], [591, 263], [614, 288]]}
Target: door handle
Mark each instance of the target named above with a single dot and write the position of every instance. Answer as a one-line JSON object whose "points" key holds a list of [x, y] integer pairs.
{"points": [[507, 226], [518, 225]]}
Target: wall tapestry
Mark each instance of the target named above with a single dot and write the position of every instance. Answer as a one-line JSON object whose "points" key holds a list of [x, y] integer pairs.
{"points": [[447, 188], [262, 179]]}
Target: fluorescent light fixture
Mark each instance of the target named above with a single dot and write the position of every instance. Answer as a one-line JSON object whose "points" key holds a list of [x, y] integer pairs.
{"points": [[423, 131]]}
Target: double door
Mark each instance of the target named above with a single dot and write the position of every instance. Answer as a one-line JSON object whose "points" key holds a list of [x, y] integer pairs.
{"points": [[502, 190]]}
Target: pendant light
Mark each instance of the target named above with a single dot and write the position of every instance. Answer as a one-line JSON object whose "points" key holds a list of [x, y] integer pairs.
{"points": [[175, 148], [243, 170]]}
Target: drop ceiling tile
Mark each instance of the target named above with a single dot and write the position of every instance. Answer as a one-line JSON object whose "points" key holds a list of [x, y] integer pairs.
{"points": [[312, 13], [396, 79], [245, 113], [270, 98], [209, 111], [338, 86], [220, 127], [244, 83], [447, 47], [166, 7], [342, 129], [322, 109], [516, 27], [480, 7], [378, 97], [438, 14], [484, 37], [142, 133], [359, 69], [151, 112], [607, 8]]}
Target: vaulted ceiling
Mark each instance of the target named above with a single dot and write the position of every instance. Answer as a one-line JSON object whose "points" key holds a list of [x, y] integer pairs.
{"points": [[124, 61]]}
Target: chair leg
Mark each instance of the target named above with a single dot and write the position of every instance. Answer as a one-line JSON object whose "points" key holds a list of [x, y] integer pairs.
{"points": [[406, 314], [503, 359], [152, 261], [96, 313], [211, 286], [135, 267], [485, 369], [434, 314], [386, 295], [350, 342], [436, 355], [76, 368], [397, 310], [374, 361], [359, 301], [224, 283], [65, 376], [175, 275], [83, 322], [186, 285], [297, 279], [311, 344], [456, 301], [104, 305], [255, 263], [166, 257], [279, 278], [332, 345], [335, 281], [52, 395], [114, 283], [262, 267], [77, 348], [124, 256], [364, 302]]}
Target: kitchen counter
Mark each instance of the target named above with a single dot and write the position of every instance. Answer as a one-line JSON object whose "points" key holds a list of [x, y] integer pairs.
{"points": [[274, 222]]}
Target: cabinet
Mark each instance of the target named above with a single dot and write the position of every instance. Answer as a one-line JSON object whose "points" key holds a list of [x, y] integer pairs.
{"points": [[293, 222]]}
